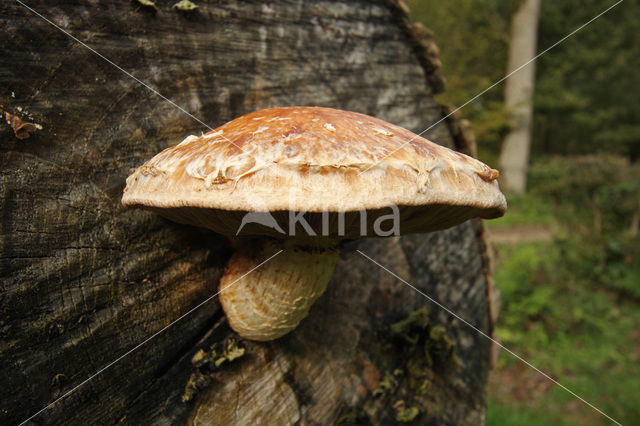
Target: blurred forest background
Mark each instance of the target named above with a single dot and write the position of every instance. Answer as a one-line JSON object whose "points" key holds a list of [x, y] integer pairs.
{"points": [[568, 252]]}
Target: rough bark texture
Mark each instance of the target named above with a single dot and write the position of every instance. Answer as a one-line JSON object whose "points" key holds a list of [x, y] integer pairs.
{"points": [[518, 97], [85, 280]]}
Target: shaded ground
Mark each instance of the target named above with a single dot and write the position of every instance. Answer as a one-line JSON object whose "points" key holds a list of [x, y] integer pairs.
{"points": [[579, 329], [521, 234]]}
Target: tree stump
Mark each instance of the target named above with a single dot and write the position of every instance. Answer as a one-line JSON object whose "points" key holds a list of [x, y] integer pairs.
{"points": [[84, 280]]}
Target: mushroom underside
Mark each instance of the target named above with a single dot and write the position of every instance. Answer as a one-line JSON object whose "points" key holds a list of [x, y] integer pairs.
{"points": [[309, 228]]}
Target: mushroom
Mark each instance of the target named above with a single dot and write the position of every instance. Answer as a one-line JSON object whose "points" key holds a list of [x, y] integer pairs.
{"points": [[303, 179]]}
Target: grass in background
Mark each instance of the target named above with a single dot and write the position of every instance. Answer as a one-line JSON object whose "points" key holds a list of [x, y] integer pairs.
{"points": [[571, 306], [525, 210]]}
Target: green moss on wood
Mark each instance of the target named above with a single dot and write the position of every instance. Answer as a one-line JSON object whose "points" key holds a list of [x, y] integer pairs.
{"points": [[197, 381], [423, 349], [384, 385], [424, 346], [185, 6], [353, 415], [207, 362], [218, 354], [148, 3], [405, 414]]}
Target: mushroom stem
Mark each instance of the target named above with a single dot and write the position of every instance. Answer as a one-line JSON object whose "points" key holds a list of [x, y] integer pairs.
{"points": [[270, 301]]}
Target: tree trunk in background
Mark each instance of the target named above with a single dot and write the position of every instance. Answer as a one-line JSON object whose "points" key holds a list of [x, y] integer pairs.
{"points": [[84, 280], [518, 97]]}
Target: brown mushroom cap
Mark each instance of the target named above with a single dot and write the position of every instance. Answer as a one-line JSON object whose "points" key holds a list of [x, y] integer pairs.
{"points": [[314, 160], [340, 169]]}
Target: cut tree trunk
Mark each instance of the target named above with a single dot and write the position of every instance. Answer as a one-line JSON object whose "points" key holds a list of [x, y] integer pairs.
{"points": [[84, 281], [518, 97]]}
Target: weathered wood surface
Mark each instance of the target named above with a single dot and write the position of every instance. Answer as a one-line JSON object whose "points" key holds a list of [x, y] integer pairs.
{"points": [[84, 280]]}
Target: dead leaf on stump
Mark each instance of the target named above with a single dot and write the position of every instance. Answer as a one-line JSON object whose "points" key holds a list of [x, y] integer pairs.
{"points": [[22, 129]]}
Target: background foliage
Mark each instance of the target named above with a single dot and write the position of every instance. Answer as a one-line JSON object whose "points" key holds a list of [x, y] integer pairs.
{"points": [[571, 305], [586, 87]]}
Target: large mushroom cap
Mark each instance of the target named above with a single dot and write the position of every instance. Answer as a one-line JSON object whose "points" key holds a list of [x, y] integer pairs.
{"points": [[314, 160]]}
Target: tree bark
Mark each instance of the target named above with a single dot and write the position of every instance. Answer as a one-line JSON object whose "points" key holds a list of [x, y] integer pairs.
{"points": [[518, 97], [84, 280]]}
